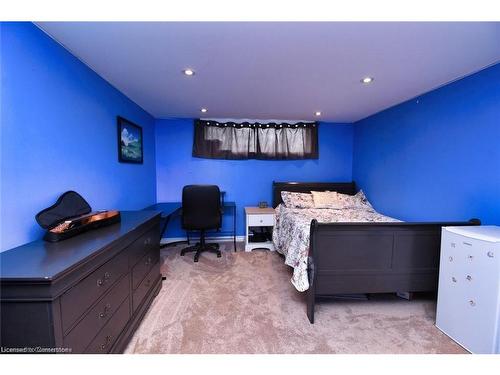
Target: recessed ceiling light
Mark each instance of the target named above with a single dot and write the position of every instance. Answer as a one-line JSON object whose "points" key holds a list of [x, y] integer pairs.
{"points": [[367, 80], [188, 72], [204, 110], [317, 113]]}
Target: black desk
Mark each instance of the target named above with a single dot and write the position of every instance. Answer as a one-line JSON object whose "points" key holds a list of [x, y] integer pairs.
{"points": [[170, 210]]}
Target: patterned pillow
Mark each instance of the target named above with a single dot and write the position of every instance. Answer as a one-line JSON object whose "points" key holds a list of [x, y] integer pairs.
{"points": [[297, 200], [360, 200]]}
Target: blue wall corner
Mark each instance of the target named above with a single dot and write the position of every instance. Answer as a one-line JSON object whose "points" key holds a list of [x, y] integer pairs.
{"points": [[245, 181], [58, 121], [436, 157]]}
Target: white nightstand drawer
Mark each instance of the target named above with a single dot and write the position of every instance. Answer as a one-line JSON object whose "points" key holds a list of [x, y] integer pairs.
{"points": [[260, 220]]}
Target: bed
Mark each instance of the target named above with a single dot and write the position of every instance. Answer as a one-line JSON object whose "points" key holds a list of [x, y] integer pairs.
{"points": [[360, 251]]}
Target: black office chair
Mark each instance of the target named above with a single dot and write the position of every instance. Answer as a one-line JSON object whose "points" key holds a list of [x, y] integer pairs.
{"points": [[201, 211]]}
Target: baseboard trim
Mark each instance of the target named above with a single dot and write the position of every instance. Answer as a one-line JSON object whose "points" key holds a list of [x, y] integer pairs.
{"points": [[165, 241]]}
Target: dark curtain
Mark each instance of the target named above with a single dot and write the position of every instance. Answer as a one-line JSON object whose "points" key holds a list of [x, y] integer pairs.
{"points": [[229, 140]]}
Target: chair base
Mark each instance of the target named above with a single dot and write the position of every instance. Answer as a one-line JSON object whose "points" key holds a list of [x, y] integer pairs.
{"points": [[200, 248]]}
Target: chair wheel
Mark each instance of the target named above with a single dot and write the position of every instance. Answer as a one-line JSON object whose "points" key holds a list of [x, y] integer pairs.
{"points": [[219, 255]]}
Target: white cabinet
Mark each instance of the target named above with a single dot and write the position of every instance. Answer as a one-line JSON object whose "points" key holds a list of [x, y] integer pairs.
{"points": [[258, 218], [468, 307]]}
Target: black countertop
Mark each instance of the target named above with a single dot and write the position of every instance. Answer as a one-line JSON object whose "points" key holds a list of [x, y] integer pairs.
{"points": [[41, 260]]}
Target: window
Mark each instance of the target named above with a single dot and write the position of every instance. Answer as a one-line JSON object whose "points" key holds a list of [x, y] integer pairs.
{"points": [[269, 141]]}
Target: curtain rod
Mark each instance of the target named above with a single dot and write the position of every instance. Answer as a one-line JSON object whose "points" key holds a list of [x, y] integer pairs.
{"points": [[261, 121]]}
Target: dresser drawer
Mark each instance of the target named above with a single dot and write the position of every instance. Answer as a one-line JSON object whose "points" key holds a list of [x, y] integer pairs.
{"points": [[260, 220], [80, 336], [149, 240], [110, 332], [145, 286], [142, 267], [80, 297]]}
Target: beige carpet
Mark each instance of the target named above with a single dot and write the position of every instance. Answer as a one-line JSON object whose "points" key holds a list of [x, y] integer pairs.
{"points": [[245, 303]]}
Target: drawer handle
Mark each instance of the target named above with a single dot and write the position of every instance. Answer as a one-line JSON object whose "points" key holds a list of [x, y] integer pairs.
{"points": [[106, 342], [490, 254], [450, 259], [472, 303], [454, 279], [467, 243], [106, 277], [469, 278], [104, 313]]}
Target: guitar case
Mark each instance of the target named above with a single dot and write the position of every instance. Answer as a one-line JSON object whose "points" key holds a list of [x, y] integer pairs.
{"points": [[71, 215]]}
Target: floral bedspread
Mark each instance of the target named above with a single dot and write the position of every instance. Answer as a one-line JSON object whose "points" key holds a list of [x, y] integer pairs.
{"points": [[291, 233]]}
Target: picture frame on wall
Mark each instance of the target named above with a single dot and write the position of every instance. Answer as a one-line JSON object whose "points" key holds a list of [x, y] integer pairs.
{"points": [[130, 145]]}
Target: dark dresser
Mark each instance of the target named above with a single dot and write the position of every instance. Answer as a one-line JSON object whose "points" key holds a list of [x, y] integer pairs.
{"points": [[86, 294]]}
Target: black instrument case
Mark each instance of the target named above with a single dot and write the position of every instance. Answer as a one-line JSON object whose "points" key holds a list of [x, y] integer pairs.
{"points": [[71, 215]]}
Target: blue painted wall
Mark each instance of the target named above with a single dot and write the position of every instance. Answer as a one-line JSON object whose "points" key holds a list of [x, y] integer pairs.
{"points": [[432, 158], [245, 181], [58, 133], [436, 157]]}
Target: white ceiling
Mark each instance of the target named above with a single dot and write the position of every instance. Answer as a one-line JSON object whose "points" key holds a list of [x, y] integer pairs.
{"points": [[277, 70]]}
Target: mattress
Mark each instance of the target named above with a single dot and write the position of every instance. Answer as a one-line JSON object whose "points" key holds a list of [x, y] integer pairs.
{"points": [[291, 233]]}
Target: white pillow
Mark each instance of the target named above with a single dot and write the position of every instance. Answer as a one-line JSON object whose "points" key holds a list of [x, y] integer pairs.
{"points": [[297, 200], [327, 199], [338, 201]]}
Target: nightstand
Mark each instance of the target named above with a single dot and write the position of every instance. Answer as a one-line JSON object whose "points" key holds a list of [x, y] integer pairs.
{"points": [[259, 218]]}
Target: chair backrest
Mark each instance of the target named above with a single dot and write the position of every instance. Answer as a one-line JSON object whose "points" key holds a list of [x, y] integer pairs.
{"points": [[201, 207]]}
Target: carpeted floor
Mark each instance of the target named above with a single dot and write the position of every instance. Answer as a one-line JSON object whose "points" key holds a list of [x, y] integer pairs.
{"points": [[245, 303]]}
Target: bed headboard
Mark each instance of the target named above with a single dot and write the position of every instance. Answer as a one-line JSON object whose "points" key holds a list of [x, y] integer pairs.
{"points": [[306, 187]]}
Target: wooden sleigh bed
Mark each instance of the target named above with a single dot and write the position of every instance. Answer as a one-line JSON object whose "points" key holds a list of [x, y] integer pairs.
{"points": [[349, 258]]}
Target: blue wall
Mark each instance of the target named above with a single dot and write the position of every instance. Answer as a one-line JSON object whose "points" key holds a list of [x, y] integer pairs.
{"points": [[436, 157], [432, 158], [245, 181], [58, 132]]}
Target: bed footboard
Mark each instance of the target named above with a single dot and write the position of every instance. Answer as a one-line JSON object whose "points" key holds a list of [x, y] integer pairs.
{"points": [[373, 258]]}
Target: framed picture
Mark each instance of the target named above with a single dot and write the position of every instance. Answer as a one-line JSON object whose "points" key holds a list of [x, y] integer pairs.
{"points": [[129, 141]]}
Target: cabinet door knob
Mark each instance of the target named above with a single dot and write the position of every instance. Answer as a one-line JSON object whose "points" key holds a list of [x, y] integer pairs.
{"points": [[454, 279], [472, 303], [450, 259], [490, 254], [469, 277]]}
